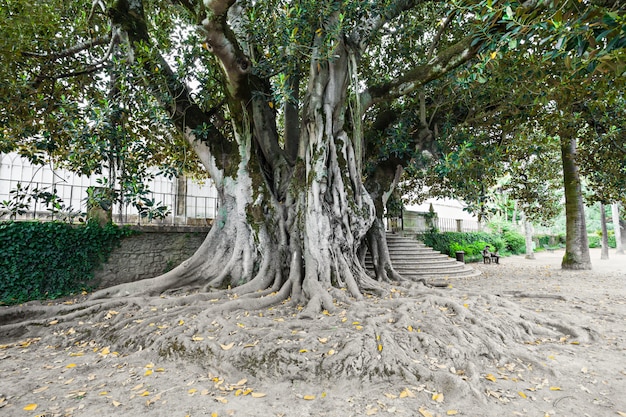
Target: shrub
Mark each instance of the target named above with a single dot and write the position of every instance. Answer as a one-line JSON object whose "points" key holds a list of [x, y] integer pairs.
{"points": [[472, 243], [50, 259], [595, 241], [514, 242]]}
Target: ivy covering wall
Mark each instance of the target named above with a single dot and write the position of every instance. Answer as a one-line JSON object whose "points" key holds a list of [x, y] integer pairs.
{"points": [[44, 260]]}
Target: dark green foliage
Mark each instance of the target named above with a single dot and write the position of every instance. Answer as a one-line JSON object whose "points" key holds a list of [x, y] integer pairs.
{"points": [[549, 241], [472, 243], [48, 260], [595, 241], [515, 242]]}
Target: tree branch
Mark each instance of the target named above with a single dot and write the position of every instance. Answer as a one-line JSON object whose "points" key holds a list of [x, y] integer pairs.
{"points": [[370, 26], [102, 40], [222, 42], [194, 123], [250, 92], [442, 63]]}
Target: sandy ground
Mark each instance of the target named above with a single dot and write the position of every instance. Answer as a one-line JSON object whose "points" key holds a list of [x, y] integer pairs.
{"points": [[40, 377]]}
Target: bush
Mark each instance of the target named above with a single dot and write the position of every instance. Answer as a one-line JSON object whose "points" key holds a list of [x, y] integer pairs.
{"points": [[549, 241], [472, 243], [514, 242], [49, 259], [595, 241]]}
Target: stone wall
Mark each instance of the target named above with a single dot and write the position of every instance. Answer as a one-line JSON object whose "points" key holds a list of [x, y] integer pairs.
{"points": [[151, 252]]}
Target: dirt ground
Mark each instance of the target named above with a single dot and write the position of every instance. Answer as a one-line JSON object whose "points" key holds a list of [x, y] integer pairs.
{"points": [[55, 374]]}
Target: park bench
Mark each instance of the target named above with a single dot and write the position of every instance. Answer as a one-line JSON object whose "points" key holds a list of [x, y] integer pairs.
{"points": [[551, 248], [489, 257]]}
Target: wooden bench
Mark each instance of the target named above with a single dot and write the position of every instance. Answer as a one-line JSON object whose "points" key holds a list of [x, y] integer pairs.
{"points": [[491, 257], [551, 249]]}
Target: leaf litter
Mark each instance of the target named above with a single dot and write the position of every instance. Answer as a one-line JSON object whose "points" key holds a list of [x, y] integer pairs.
{"points": [[550, 375]]}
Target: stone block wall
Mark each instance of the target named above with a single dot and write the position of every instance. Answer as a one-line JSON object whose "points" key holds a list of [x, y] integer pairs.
{"points": [[151, 252]]}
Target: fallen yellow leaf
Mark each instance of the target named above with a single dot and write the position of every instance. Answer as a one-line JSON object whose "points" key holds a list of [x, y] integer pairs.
{"points": [[621, 414], [145, 394], [228, 346], [521, 394], [406, 393], [197, 338], [53, 322], [380, 347], [192, 391], [425, 412], [30, 407], [71, 365], [490, 377], [452, 412], [322, 339], [555, 388], [258, 395], [213, 414], [303, 350], [148, 372], [116, 403], [438, 397], [309, 397], [410, 328]]}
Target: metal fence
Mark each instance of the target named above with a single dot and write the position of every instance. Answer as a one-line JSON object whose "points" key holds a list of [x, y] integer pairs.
{"points": [[415, 222], [188, 202]]}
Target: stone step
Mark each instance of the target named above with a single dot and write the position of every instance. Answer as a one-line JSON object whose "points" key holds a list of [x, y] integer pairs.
{"points": [[413, 259]]}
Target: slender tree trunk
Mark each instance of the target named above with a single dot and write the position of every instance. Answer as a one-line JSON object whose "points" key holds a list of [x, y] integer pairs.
{"points": [[619, 247], [528, 233], [576, 242], [605, 235]]}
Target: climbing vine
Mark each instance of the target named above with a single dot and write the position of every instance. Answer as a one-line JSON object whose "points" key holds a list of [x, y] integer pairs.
{"points": [[46, 260]]}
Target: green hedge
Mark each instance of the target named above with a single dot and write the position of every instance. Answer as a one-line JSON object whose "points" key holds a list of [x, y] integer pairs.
{"points": [[472, 243], [595, 241], [549, 241], [41, 260]]}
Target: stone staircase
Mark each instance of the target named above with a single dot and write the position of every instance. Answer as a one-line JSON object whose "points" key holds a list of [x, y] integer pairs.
{"points": [[414, 260]]}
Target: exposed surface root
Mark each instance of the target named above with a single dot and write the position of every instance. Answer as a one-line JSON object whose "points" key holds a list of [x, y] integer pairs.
{"points": [[437, 340]]}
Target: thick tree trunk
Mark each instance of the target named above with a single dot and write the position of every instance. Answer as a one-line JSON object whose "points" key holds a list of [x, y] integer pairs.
{"points": [[576, 242], [605, 234], [619, 247], [292, 215], [334, 210]]}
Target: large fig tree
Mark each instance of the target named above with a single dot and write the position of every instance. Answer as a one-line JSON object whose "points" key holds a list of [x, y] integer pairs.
{"points": [[273, 97]]}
